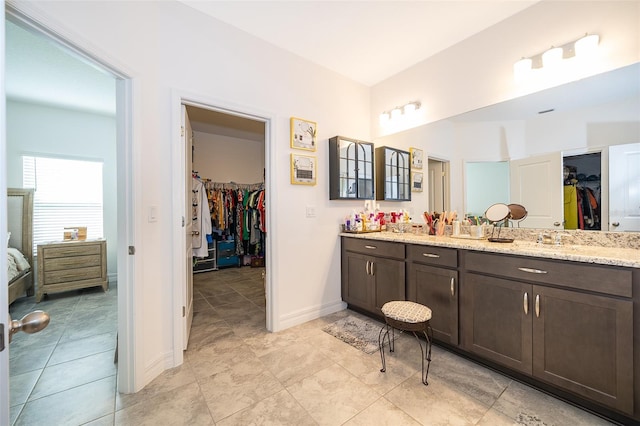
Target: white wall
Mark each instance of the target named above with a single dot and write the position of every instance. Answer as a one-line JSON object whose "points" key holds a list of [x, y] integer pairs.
{"points": [[43, 130], [479, 71], [166, 46], [228, 159]]}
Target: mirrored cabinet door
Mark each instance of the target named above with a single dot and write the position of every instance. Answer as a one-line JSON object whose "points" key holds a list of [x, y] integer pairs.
{"points": [[351, 169], [393, 182]]}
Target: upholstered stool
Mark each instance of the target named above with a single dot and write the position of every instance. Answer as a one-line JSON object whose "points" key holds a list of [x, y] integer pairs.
{"points": [[407, 316]]}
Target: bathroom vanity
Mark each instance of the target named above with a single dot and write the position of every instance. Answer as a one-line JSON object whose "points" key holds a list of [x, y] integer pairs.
{"points": [[563, 318]]}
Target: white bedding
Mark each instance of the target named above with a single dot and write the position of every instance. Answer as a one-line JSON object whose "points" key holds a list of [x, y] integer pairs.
{"points": [[17, 264]]}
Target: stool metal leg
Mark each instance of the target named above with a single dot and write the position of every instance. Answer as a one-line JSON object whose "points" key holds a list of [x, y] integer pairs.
{"points": [[381, 336]]}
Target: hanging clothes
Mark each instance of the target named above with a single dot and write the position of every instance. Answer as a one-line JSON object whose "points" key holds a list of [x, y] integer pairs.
{"points": [[570, 207], [200, 218]]}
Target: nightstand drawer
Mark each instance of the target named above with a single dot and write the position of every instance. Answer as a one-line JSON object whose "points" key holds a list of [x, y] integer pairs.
{"points": [[72, 249], [59, 263], [56, 277]]}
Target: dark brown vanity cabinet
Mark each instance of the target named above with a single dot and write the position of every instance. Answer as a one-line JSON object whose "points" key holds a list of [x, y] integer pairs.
{"points": [[351, 169], [393, 180], [373, 273], [567, 324], [433, 281]]}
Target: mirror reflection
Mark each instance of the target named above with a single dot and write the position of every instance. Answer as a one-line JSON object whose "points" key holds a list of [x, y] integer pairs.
{"points": [[552, 153]]}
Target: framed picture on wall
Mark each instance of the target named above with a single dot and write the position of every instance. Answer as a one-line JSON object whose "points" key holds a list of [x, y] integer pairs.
{"points": [[417, 179], [303, 134], [416, 158], [303, 169]]}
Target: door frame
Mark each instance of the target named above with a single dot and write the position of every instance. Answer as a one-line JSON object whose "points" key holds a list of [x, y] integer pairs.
{"points": [[128, 94], [180, 98]]}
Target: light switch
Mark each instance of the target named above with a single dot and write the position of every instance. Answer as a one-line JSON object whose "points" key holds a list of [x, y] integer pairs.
{"points": [[311, 211], [153, 213]]}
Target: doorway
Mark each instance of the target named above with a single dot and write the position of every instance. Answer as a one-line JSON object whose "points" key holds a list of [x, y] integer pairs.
{"points": [[230, 152], [122, 270], [439, 185]]}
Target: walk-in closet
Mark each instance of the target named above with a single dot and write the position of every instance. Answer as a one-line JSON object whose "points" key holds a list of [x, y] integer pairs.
{"points": [[582, 191], [228, 224]]}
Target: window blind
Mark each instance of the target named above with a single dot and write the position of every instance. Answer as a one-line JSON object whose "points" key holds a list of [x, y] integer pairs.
{"points": [[67, 193]]}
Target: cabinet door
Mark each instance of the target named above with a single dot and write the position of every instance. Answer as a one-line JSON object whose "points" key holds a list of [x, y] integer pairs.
{"points": [[437, 289], [584, 343], [351, 169], [389, 281], [394, 172], [495, 323], [356, 280]]}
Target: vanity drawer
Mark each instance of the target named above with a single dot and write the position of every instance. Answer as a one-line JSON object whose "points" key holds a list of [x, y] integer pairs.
{"points": [[615, 281], [373, 247], [430, 255]]}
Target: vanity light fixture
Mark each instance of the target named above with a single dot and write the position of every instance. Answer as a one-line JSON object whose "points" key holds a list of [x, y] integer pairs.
{"points": [[552, 57], [398, 111]]}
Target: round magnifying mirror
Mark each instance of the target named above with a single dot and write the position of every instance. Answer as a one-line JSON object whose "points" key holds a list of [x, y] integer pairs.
{"points": [[518, 212], [497, 212]]}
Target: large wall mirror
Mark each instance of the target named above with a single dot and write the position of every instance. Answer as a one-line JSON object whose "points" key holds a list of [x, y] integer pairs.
{"points": [[527, 144]]}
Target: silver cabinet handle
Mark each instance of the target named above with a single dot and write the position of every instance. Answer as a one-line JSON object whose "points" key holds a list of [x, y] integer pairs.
{"points": [[532, 271], [537, 306], [370, 247], [430, 255], [371, 269], [367, 267], [453, 292], [525, 303]]}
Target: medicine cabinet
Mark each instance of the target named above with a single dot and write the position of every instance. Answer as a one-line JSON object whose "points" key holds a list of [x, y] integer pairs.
{"points": [[393, 182], [351, 169]]}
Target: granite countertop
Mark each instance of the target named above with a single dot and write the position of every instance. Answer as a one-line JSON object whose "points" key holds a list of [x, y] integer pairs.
{"points": [[628, 257]]}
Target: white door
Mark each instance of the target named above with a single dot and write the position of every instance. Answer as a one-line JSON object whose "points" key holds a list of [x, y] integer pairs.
{"points": [[4, 294], [536, 184], [187, 140], [624, 187]]}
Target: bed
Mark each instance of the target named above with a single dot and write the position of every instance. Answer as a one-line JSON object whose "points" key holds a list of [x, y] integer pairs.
{"points": [[20, 251]]}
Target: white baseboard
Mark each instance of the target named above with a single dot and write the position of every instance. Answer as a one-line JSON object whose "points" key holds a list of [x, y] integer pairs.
{"points": [[308, 314], [157, 367]]}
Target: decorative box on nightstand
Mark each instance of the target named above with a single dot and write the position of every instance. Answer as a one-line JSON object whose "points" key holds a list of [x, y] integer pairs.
{"points": [[71, 265]]}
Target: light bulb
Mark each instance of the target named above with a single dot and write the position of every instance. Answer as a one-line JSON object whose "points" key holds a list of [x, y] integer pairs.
{"points": [[552, 57], [587, 45], [522, 68], [396, 112]]}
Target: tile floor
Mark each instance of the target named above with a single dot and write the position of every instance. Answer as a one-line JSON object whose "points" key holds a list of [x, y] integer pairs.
{"points": [[236, 373]]}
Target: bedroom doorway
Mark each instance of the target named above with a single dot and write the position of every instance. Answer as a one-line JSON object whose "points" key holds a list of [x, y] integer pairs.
{"points": [[120, 233]]}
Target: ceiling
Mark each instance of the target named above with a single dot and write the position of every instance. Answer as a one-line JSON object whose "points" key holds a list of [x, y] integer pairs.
{"points": [[41, 71], [366, 41]]}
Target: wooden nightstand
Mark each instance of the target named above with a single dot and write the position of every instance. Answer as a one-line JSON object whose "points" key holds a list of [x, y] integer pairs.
{"points": [[71, 265]]}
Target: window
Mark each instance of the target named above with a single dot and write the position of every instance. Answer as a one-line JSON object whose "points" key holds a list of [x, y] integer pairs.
{"points": [[67, 193]]}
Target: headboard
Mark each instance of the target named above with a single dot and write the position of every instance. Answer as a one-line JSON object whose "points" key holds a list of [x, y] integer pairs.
{"points": [[20, 220]]}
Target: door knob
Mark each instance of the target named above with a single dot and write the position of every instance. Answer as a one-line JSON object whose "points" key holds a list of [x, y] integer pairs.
{"points": [[615, 224], [30, 323]]}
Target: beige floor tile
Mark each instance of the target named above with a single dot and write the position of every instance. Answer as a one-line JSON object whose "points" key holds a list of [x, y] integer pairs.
{"points": [[238, 387], [382, 413], [522, 403], [437, 403], [295, 362], [264, 343], [332, 396], [167, 381], [215, 359], [471, 378], [181, 406], [279, 409]]}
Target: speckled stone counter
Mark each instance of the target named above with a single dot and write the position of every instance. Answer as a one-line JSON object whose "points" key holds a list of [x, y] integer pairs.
{"points": [[617, 256]]}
